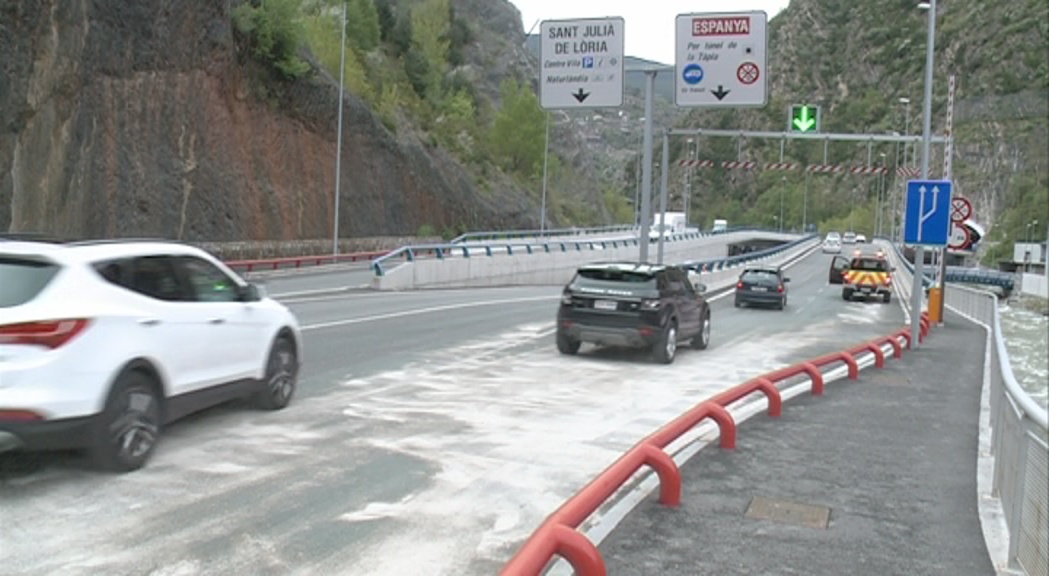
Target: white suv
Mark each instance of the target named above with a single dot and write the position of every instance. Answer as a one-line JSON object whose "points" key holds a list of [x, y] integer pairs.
{"points": [[103, 343]]}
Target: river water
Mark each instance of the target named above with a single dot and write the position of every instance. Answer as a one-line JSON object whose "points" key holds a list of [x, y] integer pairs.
{"points": [[1026, 335]]}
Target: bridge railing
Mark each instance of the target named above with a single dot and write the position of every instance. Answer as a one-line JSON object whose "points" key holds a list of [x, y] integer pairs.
{"points": [[1019, 440], [496, 235], [470, 249], [559, 535], [1019, 435]]}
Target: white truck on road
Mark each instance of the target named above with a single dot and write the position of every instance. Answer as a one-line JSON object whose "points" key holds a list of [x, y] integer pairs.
{"points": [[672, 223]]}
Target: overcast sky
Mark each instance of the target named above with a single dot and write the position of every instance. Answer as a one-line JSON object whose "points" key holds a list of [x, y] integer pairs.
{"points": [[649, 24]]}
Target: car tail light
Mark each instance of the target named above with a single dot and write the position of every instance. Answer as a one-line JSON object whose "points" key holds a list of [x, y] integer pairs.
{"points": [[779, 288], [739, 285], [19, 416], [50, 333], [566, 298]]}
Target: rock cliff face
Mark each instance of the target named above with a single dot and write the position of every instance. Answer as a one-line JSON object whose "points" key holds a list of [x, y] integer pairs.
{"points": [[126, 118]]}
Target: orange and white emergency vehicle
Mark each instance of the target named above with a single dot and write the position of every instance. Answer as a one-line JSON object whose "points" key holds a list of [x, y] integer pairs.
{"points": [[865, 274]]}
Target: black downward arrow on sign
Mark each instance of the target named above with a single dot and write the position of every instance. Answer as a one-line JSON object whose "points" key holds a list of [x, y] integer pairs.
{"points": [[580, 95], [720, 93]]}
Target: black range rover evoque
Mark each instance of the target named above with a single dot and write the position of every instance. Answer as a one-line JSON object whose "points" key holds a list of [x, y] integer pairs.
{"points": [[636, 305]]}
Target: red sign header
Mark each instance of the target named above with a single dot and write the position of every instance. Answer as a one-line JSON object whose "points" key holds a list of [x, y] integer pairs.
{"points": [[725, 26]]}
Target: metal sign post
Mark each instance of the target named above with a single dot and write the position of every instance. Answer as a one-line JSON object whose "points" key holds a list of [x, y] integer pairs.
{"points": [[919, 250]]}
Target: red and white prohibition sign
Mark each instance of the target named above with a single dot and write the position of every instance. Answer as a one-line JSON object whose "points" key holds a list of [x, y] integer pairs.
{"points": [[748, 73], [961, 209]]}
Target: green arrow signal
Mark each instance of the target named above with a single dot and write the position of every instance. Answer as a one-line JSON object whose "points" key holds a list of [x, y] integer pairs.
{"points": [[802, 121]]}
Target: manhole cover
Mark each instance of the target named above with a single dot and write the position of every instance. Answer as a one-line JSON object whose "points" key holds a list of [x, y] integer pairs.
{"points": [[807, 515]]}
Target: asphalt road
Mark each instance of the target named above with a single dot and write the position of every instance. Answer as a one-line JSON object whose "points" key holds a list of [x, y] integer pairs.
{"points": [[432, 432]]}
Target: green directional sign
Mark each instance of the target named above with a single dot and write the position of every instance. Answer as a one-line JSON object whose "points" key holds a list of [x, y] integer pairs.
{"points": [[804, 118]]}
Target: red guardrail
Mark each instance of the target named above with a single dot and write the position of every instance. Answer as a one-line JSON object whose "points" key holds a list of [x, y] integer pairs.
{"points": [[301, 261], [558, 534]]}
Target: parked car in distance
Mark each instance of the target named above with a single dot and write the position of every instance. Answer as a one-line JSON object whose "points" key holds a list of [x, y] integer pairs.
{"points": [[848, 238], [762, 285], [635, 305], [104, 343]]}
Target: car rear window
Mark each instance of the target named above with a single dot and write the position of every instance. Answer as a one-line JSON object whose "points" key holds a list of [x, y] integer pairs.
{"points": [[612, 280], [22, 280], [869, 264], [759, 276]]}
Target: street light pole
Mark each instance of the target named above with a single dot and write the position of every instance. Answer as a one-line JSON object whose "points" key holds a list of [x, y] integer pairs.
{"points": [[688, 178], [917, 288], [546, 155], [881, 193], [782, 185], [338, 145]]}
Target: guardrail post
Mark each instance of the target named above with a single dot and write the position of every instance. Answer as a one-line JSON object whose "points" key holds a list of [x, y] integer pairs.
{"points": [[854, 367], [879, 355], [816, 375], [579, 551], [487, 250], [439, 252], [410, 254], [772, 393], [726, 425], [668, 473], [466, 252], [906, 335], [897, 350]]}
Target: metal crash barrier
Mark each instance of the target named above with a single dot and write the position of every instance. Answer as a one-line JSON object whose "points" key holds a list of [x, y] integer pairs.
{"points": [[559, 534]]}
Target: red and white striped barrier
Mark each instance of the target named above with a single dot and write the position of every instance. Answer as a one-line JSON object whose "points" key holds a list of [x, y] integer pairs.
{"points": [[824, 168], [695, 163], [912, 172], [781, 166], [741, 165], [868, 170]]}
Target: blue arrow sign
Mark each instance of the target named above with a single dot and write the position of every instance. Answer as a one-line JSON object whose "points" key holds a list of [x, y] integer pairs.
{"points": [[928, 218]]}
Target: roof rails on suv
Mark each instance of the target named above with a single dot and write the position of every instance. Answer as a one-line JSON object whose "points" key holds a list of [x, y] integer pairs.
{"points": [[31, 237], [99, 241]]}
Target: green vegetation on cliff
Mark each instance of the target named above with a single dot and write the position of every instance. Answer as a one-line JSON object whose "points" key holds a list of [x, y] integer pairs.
{"points": [[405, 59]]}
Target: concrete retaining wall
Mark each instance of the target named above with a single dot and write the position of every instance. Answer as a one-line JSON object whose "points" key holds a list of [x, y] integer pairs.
{"points": [[546, 269], [256, 250]]}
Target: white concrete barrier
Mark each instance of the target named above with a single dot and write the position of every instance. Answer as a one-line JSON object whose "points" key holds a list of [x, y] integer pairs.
{"points": [[1035, 285], [543, 268]]}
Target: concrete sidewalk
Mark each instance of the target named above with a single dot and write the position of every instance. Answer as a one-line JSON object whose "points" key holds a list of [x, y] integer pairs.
{"points": [[878, 477]]}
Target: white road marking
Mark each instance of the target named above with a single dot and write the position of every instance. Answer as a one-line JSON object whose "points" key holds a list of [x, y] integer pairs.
{"points": [[430, 310]]}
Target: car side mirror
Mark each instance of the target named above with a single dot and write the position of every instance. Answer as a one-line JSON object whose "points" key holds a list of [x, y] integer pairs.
{"points": [[252, 293], [700, 287], [787, 279]]}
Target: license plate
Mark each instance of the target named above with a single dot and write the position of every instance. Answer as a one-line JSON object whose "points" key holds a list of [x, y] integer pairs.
{"points": [[760, 289], [866, 290], [605, 304]]}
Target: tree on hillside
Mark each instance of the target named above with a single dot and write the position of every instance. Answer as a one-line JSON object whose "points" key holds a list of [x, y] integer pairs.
{"points": [[517, 134], [275, 30], [362, 25], [429, 26]]}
